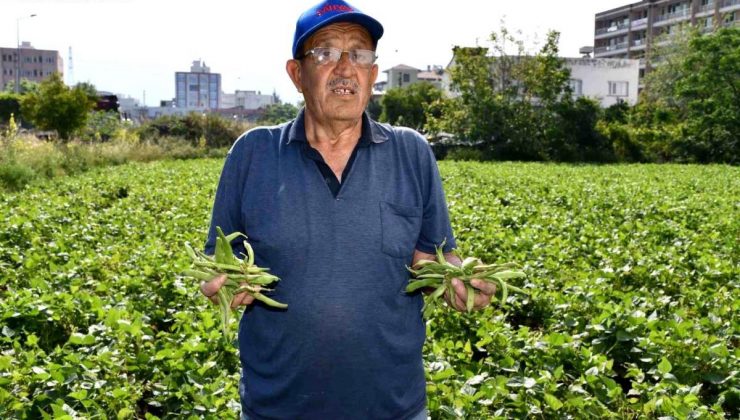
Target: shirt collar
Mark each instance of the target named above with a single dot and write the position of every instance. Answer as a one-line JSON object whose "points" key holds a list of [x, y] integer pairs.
{"points": [[371, 132]]}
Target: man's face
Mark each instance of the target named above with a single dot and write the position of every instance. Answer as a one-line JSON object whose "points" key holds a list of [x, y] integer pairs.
{"points": [[335, 91]]}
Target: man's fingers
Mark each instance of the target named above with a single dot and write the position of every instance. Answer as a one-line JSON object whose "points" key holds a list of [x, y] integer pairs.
{"points": [[461, 295], [211, 287], [485, 287], [243, 298], [487, 290]]}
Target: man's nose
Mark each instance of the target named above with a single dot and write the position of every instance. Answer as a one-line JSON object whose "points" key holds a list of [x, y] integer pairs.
{"points": [[344, 65]]}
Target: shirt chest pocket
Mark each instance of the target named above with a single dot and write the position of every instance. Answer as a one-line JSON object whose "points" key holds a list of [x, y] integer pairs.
{"points": [[400, 228]]}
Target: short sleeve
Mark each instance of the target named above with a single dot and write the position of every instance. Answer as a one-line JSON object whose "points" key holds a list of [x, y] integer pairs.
{"points": [[227, 205], [436, 228]]}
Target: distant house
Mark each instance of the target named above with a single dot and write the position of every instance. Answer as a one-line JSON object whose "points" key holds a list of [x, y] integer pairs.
{"points": [[400, 76], [608, 80], [433, 75], [403, 75]]}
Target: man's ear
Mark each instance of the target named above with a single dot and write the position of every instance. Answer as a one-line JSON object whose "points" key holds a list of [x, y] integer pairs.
{"points": [[293, 67]]}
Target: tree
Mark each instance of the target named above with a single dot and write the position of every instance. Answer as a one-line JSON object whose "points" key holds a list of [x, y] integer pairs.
{"points": [[519, 106], [278, 113], [374, 109], [9, 105], [407, 105], [474, 112], [54, 106], [26, 86], [694, 93]]}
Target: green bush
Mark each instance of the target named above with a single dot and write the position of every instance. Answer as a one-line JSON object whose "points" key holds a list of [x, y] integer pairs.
{"points": [[15, 176], [9, 105], [625, 148], [464, 153], [216, 130], [24, 158]]}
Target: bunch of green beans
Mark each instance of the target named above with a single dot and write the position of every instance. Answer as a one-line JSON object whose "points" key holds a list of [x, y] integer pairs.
{"points": [[439, 274], [242, 275]]}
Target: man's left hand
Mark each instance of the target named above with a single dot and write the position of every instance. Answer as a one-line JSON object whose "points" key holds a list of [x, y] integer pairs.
{"points": [[484, 290]]}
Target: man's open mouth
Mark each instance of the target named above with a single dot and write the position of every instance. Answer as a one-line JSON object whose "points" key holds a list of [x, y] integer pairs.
{"points": [[343, 91]]}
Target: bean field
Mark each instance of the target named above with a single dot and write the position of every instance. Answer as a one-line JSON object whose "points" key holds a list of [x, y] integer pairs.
{"points": [[631, 308]]}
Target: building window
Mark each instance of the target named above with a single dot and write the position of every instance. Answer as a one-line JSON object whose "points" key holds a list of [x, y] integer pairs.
{"points": [[618, 88], [406, 77], [576, 86]]}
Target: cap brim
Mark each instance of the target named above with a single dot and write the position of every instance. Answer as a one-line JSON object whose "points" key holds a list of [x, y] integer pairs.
{"points": [[373, 27]]}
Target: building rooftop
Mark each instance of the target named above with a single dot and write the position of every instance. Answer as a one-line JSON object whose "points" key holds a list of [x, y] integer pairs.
{"points": [[401, 67]]}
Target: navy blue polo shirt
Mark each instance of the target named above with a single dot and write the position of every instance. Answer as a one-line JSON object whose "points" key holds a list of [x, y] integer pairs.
{"points": [[349, 345]]}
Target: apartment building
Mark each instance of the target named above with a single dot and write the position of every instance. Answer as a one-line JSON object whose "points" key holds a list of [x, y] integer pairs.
{"points": [[34, 65], [631, 30], [198, 88]]}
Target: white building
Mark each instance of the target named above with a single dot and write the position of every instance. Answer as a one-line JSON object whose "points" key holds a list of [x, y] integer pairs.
{"points": [[246, 99], [607, 80]]}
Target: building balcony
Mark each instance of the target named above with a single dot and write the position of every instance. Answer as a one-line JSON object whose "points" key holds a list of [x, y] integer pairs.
{"points": [[639, 23], [726, 4], [638, 43], [612, 30], [611, 49], [707, 8], [670, 17]]}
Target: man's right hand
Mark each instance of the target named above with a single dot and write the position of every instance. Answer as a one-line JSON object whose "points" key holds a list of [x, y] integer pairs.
{"points": [[210, 290]]}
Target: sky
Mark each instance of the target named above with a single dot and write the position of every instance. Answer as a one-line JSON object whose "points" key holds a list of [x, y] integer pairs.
{"points": [[134, 47]]}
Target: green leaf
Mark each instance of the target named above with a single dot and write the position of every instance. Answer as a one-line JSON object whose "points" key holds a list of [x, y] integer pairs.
{"points": [[79, 395], [81, 339], [553, 402], [664, 366]]}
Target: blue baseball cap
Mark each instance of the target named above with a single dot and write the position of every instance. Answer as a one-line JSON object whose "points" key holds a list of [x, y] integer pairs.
{"points": [[328, 12]]}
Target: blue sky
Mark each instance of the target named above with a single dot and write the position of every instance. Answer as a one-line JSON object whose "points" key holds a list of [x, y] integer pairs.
{"points": [[133, 46]]}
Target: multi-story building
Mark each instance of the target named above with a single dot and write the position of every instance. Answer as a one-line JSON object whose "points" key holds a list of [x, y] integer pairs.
{"points": [[34, 65], [197, 89], [630, 31]]}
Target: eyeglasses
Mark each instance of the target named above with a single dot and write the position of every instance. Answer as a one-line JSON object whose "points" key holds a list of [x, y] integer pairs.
{"points": [[326, 55]]}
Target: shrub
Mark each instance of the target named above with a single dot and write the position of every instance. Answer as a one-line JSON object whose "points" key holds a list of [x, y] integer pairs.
{"points": [[463, 153], [216, 130], [15, 176]]}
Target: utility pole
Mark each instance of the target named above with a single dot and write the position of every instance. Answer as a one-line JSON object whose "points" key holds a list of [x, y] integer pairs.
{"points": [[18, 51]]}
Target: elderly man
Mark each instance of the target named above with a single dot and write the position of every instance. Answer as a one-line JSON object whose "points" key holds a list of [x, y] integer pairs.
{"points": [[337, 206]]}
